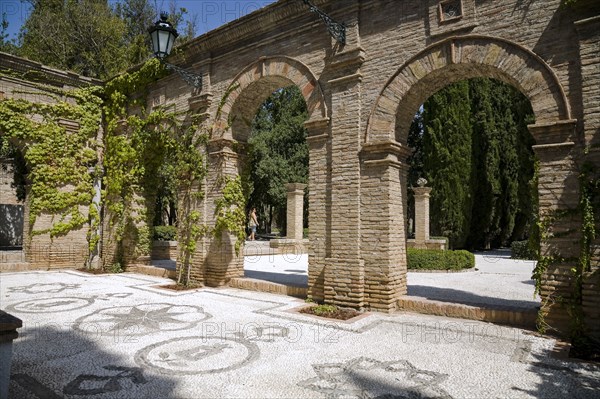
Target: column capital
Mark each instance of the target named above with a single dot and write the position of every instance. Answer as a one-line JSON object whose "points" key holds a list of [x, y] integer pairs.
{"points": [[295, 187], [422, 191]]}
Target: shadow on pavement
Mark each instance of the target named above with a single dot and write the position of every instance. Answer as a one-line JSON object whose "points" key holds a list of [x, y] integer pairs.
{"points": [[559, 379], [466, 298], [51, 362], [279, 278]]}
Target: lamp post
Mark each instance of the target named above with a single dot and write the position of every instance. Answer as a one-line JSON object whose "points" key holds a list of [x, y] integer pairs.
{"points": [[163, 36]]}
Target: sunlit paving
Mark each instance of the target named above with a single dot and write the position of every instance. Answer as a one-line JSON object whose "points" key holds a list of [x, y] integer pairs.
{"points": [[299, 199]]}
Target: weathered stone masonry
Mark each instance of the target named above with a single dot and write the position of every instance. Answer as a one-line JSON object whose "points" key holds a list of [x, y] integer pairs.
{"points": [[362, 97]]}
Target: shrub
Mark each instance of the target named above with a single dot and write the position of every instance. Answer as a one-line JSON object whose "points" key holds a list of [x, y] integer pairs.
{"points": [[165, 233], [521, 250], [435, 259]]}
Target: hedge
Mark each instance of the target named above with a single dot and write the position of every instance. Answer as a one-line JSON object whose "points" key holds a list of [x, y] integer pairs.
{"points": [[165, 233], [435, 259], [521, 250]]}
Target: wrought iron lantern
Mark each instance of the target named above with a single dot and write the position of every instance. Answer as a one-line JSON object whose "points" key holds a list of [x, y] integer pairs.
{"points": [[163, 36]]}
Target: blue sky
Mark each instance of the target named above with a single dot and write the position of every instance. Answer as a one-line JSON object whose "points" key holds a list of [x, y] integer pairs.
{"points": [[210, 14]]}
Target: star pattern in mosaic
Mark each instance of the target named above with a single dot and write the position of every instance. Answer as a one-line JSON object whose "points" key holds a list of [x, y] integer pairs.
{"points": [[142, 319], [370, 378]]}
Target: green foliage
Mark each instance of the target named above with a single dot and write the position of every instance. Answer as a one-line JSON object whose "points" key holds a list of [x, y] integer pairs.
{"points": [[165, 233], [230, 212], [278, 152], [324, 310], [84, 36], [472, 144], [92, 37], [115, 268], [447, 160], [435, 259], [521, 250], [57, 160]]}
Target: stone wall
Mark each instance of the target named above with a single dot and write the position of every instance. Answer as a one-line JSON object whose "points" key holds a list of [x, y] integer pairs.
{"points": [[31, 81]]}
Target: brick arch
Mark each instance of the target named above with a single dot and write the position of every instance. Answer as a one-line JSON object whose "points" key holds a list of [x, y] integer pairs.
{"points": [[259, 80], [459, 58]]}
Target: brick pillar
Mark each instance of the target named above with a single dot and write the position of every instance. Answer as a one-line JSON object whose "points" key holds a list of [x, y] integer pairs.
{"points": [[558, 191], [421, 214], [383, 231], [319, 205], [344, 281], [222, 262], [588, 31], [295, 210]]}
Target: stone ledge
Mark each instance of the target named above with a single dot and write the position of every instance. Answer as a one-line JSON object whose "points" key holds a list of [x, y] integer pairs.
{"points": [[286, 245], [500, 314], [152, 271], [251, 284], [441, 271], [428, 244]]}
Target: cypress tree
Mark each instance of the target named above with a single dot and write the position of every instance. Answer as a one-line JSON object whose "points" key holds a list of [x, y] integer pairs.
{"points": [[447, 161], [490, 184]]}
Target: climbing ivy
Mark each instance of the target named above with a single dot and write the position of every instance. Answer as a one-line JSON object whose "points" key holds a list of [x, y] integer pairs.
{"points": [[230, 211], [58, 160]]}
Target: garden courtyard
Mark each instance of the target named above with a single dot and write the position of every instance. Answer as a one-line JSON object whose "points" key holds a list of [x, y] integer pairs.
{"points": [[122, 336]]}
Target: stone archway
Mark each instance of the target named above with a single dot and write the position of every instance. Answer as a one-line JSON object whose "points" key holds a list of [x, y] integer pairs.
{"points": [[247, 91], [385, 149], [256, 82], [459, 58]]}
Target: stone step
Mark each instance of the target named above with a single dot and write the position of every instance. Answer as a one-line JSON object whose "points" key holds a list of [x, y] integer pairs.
{"points": [[517, 317]]}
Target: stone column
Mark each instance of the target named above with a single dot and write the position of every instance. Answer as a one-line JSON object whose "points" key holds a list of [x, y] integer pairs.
{"points": [[295, 210], [421, 212]]}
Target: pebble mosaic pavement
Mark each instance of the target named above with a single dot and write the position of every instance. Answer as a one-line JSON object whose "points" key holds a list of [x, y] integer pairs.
{"points": [[119, 336]]}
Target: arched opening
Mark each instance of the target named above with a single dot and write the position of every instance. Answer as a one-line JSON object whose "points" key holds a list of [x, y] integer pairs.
{"points": [[471, 144], [254, 95], [386, 150], [275, 174]]}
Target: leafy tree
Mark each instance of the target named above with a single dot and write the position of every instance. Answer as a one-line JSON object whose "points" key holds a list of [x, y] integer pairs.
{"points": [[84, 36], [495, 189], [92, 38], [278, 152], [137, 15], [6, 45]]}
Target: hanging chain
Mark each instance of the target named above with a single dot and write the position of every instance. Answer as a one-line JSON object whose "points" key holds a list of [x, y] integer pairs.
{"points": [[336, 30]]}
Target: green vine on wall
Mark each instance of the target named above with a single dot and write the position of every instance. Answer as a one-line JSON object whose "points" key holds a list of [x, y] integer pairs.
{"points": [[58, 160], [230, 211], [589, 185]]}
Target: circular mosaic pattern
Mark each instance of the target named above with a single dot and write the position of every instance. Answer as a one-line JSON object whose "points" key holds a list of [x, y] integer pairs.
{"points": [[50, 305], [198, 355], [142, 319]]}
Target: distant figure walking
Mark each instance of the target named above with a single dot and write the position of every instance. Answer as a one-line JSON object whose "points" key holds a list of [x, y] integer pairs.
{"points": [[253, 224]]}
